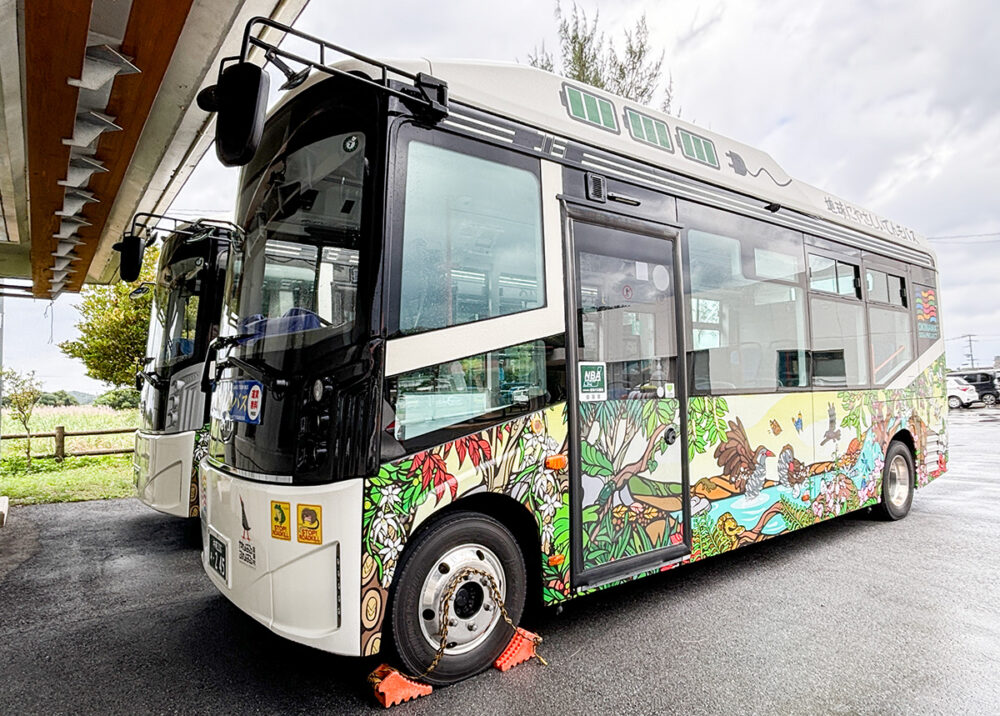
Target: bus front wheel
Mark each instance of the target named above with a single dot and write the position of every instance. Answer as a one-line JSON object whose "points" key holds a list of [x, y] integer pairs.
{"points": [[897, 481], [454, 576]]}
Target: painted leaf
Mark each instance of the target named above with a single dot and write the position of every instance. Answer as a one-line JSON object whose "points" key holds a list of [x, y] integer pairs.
{"points": [[433, 472], [594, 462]]}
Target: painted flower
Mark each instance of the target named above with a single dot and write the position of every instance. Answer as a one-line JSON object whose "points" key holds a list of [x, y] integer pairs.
{"points": [[390, 550], [387, 575], [389, 496], [547, 531], [550, 504], [384, 525]]}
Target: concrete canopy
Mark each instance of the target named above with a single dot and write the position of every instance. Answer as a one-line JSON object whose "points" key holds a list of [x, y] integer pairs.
{"points": [[98, 120]]}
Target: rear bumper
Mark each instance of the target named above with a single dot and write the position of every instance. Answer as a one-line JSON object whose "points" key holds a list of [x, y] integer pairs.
{"points": [[301, 590], [162, 467]]}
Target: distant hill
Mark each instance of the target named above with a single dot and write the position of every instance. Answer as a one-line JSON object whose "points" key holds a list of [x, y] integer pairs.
{"points": [[81, 397]]}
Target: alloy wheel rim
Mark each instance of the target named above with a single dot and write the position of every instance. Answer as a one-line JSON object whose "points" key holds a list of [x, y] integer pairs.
{"points": [[473, 613], [899, 481]]}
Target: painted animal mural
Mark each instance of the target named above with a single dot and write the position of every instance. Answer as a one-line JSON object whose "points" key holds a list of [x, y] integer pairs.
{"points": [[748, 481]]}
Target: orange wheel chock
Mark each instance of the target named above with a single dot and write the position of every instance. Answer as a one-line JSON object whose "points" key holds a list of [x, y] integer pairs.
{"points": [[392, 688], [523, 646]]}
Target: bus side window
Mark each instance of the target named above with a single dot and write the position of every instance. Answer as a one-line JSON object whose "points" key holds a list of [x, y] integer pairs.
{"points": [[748, 313], [472, 239], [470, 392]]}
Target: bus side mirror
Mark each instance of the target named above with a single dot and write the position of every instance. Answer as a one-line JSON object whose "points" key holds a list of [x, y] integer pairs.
{"points": [[240, 101], [131, 248]]}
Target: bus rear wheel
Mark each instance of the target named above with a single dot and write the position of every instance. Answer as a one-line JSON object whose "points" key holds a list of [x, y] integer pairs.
{"points": [[450, 577], [897, 482]]}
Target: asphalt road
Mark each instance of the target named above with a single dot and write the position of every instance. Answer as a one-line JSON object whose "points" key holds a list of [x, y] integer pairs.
{"points": [[104, 607]]}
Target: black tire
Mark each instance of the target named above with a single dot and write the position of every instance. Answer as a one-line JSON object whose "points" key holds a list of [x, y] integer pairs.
{"points": [[896, 500], [990, 399], [422, 555]]}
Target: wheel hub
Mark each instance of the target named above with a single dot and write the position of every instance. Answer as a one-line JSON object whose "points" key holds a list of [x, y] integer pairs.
{"points": [[899, 481], [471, 606]]}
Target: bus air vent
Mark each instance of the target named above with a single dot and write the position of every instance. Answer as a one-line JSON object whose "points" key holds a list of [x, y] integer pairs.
{"points": [[597, 187]]}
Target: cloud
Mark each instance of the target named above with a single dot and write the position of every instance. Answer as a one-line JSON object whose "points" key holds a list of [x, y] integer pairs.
{"points": [[892, 105]]}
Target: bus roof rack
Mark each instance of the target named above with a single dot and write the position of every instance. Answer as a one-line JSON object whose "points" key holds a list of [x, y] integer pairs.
{"points": [[428, 93], [144, 224]]}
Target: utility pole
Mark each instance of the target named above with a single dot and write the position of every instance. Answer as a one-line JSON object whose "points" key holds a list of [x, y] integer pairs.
{"points": [[970, 355]]}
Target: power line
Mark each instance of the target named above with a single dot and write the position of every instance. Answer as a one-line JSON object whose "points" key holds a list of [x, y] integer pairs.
{"points": [[964, 236]]}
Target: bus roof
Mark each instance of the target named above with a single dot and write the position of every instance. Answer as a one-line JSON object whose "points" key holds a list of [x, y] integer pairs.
{"points": [[577, 111]]}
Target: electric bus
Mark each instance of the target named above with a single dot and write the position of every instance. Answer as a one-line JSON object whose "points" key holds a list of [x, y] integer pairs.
{"points": [[489, 327], [173, 410]]}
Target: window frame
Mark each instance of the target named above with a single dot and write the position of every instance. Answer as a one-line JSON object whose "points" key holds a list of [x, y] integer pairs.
{"points": [[479, 423], [708, 219], [406, 133], [877, 262], [837, 258], [887, 266], [852, 258]]}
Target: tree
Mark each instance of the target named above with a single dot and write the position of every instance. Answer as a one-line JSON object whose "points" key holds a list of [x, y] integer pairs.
{"points": [[22, 392], [113, 328], [119, 398], [588, 56], [58, 399]]}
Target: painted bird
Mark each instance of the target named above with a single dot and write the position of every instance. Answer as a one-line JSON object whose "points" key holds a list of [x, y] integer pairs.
{"points": [[745, 467], [246, 522], [792, 473]]}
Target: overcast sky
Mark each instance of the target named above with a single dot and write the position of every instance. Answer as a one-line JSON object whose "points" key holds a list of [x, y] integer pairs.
{"points": [[892, 105]]}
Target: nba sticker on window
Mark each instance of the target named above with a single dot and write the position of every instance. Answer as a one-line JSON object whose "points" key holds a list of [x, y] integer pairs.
{"points": [[593, 381]]}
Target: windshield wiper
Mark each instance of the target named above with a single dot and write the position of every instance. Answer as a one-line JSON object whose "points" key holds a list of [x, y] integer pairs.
{"points": [[262, 373], [154, 378]]}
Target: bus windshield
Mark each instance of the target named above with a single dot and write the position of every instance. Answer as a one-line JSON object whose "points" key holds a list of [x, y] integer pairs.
{"points": [[173, 326], [297, 275]]}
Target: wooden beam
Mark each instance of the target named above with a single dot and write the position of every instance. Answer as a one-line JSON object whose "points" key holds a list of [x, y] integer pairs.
{"points": [[150, 38], [55, 39]]}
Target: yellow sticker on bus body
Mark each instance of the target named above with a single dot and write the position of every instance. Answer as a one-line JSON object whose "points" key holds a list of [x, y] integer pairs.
{"points": [[281, 520], [310, 524]]}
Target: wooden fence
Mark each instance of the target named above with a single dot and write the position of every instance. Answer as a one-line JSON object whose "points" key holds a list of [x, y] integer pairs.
{"points": [[60, 434]]}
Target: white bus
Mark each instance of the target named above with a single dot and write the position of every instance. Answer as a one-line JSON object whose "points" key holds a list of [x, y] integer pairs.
{"points": [[493, 325], [184, 318]]}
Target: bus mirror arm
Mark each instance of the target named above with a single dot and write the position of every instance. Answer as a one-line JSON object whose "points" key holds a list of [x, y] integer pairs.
{"points": [[207, 383]]}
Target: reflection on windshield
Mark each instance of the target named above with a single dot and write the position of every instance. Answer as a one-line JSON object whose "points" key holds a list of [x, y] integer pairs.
{"points": [[299, 268], [174, 323]]}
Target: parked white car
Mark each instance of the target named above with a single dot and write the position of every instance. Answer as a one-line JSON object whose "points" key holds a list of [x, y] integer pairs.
{"points": [[960, 393]]}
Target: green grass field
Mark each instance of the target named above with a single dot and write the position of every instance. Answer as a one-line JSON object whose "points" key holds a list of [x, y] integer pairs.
{"points": [[76, 478]]}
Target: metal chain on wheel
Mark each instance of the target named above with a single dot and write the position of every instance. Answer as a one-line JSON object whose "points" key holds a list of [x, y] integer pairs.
{"points": [[460, 577]]}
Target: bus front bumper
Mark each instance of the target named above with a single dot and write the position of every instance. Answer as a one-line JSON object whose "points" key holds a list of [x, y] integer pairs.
{"points": [[162, 465], [301, 578]]}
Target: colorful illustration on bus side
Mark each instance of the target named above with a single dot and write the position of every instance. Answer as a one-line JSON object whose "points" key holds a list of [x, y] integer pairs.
{"points": [[507, 459], [632, 503], [748, 483], [927, 321], [755, 498]]}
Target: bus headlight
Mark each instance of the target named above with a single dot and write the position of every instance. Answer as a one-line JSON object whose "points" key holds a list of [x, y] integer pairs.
{"points": [[318, 390]]}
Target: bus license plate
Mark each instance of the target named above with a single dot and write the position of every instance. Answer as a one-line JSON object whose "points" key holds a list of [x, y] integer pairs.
{"points": [[217, 557]]}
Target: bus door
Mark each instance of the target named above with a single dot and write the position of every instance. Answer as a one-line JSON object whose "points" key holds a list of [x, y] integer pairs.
{"points": [[629, 488]]}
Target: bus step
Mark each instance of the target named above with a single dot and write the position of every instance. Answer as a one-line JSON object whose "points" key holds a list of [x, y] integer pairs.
{"points": [[392, 688], [523, 646]]}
